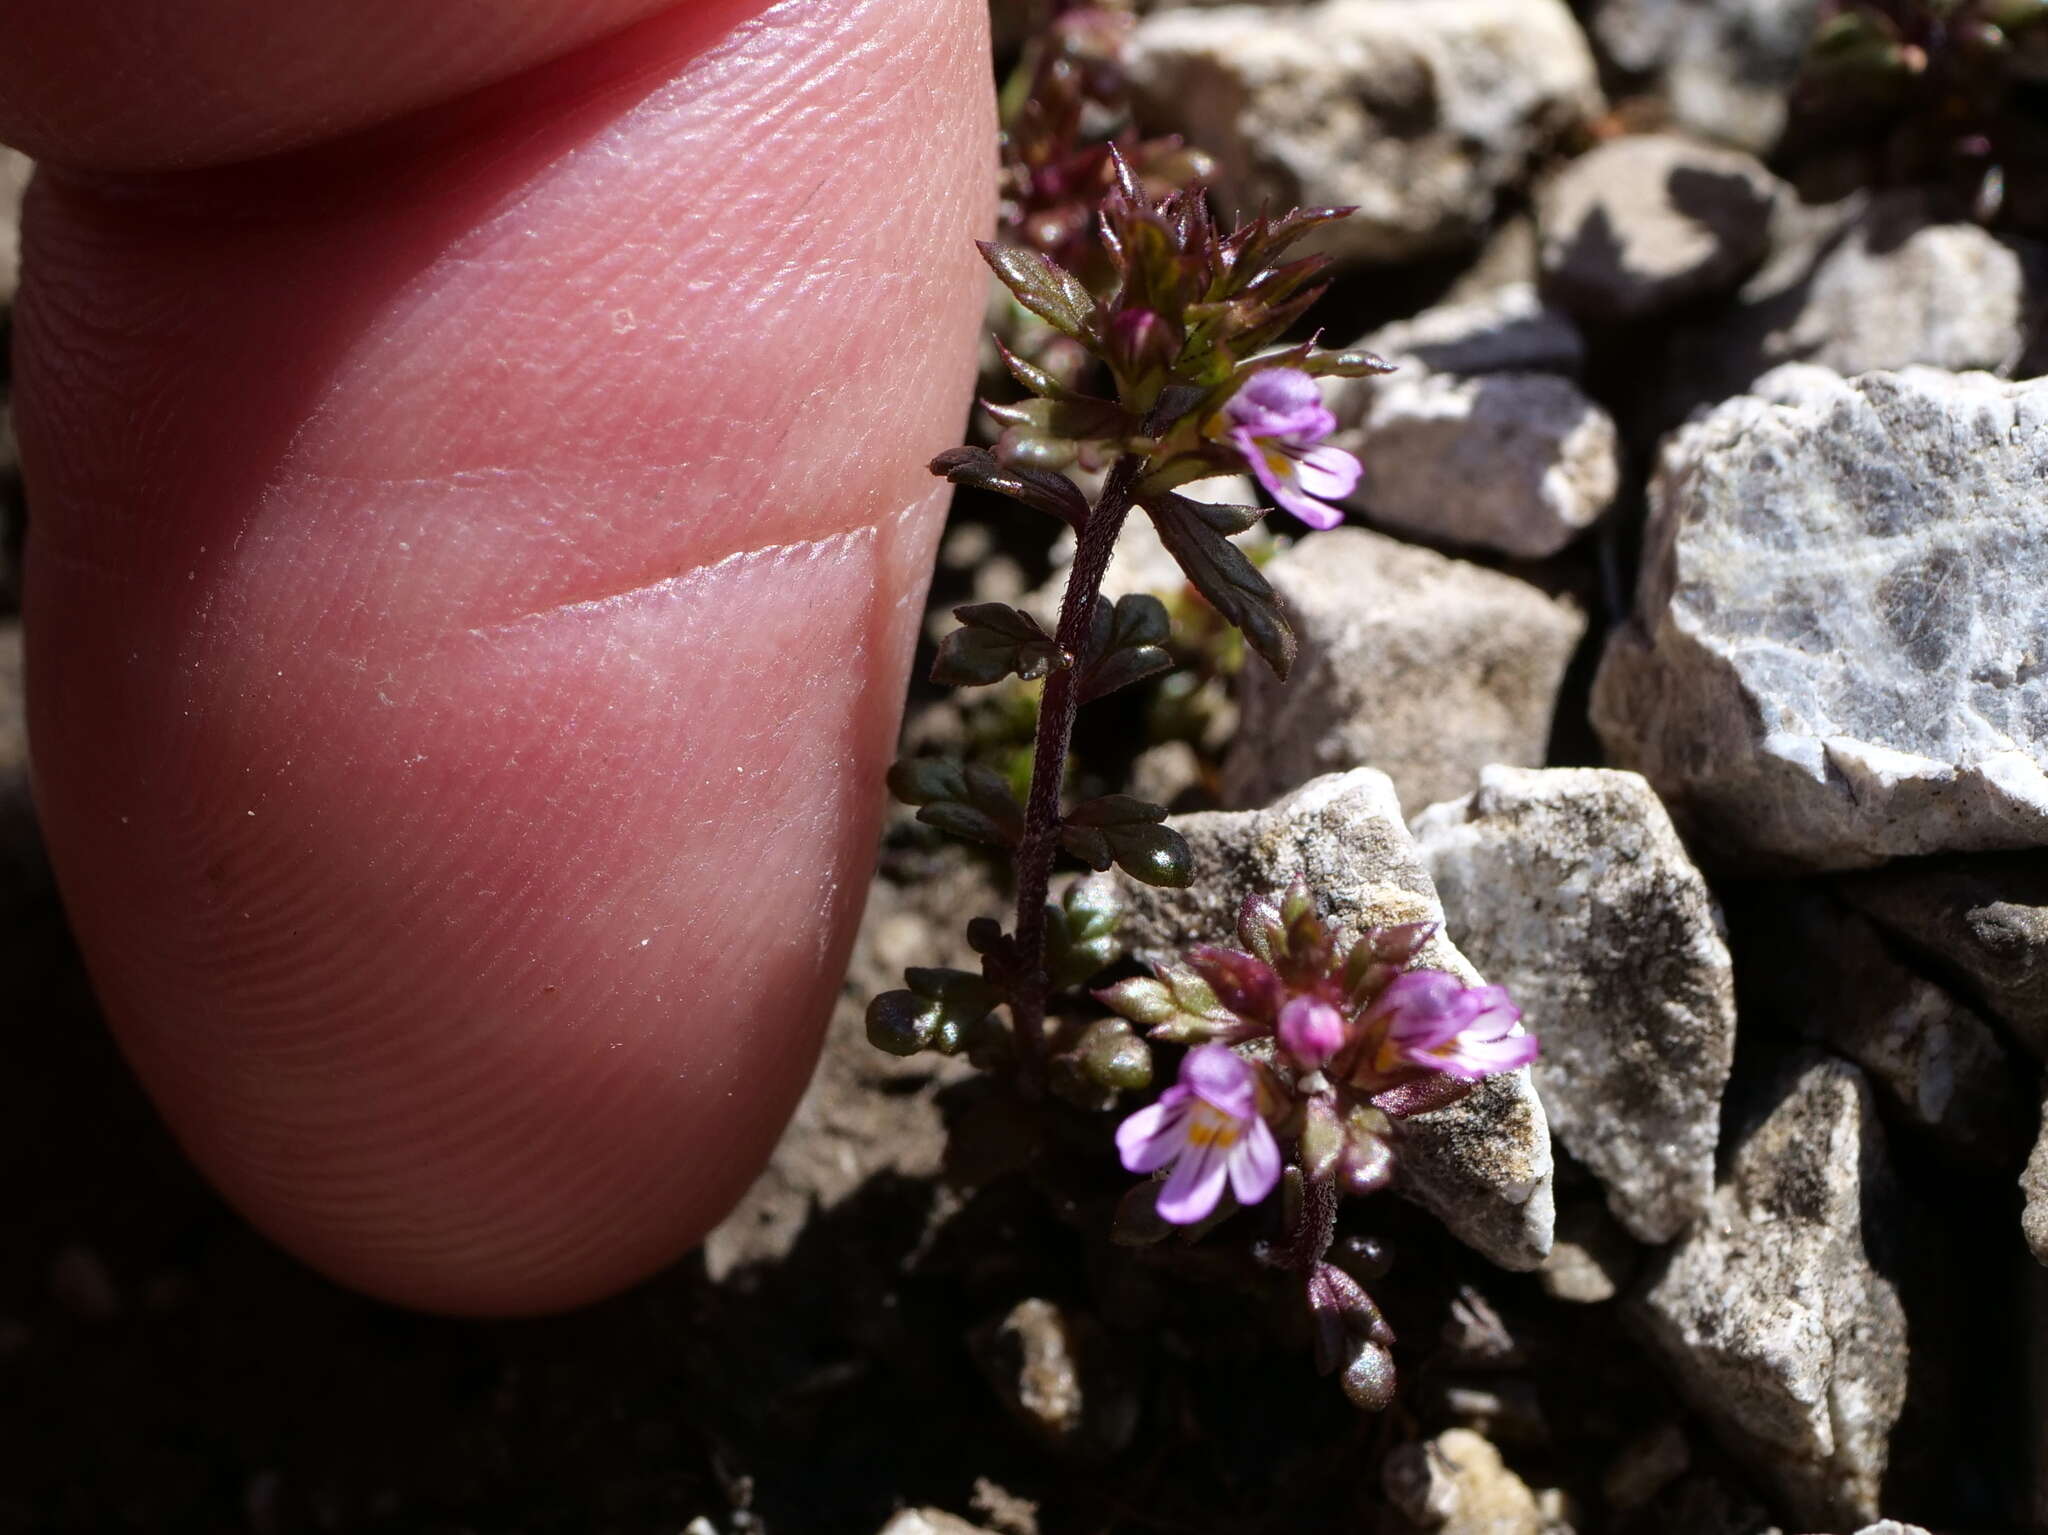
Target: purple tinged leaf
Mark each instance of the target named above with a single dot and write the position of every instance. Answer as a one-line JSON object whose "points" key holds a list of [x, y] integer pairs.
{"points": [[1244, 983], [1425, 1094], [1048, 290]]}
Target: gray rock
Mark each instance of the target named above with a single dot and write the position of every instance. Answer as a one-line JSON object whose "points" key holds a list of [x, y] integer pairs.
{"points": [[1569, 887], [1518, 463], [1646, 223], [1835, 653], [1825, 973], [1591, 1258], [1419, 115], [1508, 329], [2034, 1184], [1057, 1374], [1863, 286], [1483, 1165], [1983, 920], [1425, 667], [1457, 1483], [1771, 1315], [1891, 1527], [1725, 65]]}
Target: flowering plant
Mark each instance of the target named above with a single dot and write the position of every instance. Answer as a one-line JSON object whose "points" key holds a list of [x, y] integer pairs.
{"points": [[1309, 1036], [1303, 1047]]}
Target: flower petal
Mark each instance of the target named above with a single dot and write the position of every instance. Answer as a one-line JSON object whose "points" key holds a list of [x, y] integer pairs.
{"points": [[1328, 473], [1194, 1186], [1422, 1009], [1153, 1136], [1220, 1077], [1254, 1164], [1493, 1056], [1306, 507]]}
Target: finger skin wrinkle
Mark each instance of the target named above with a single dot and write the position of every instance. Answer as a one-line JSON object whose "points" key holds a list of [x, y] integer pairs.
{"points": [[468, 621]]}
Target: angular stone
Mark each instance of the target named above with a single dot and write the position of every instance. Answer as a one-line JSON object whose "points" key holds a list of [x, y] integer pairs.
{"points": [[2034, 1185], [1569, 887], [1870, 284], [1822, 971], [1483, 1165], [1458, 1484], [1417, 115], [1518, 463], [1982, 920], [1834, 658], [1509, 329], [1725, 66], [1771, 1315], [1425, 667], [1056, 1372], [1651, 221]]}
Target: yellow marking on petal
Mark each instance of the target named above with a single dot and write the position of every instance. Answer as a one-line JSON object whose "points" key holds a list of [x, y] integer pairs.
{"points": [[1206, 1127]]}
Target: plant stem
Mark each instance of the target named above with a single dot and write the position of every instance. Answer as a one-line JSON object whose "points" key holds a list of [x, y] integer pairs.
{"points": [[1317, 1229], [1056, 712]]}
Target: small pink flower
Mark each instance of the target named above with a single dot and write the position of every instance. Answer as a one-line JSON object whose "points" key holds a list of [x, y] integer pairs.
{"points": [[1276, 421], [1311, 1031], [1208, 1126], [1435, 1021]]}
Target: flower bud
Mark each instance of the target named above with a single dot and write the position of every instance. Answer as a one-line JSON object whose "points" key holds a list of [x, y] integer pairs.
{"points": [[1322, 1140], [1367, 1162], [1369, 1377], [1141, 344], [1113, 1055], [1311, 1031]]}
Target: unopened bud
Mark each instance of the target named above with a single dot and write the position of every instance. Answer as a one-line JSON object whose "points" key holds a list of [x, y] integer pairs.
{"points": [[1369, 1377], [1113, 1055], [1311, 1031], [1322, 1140]]}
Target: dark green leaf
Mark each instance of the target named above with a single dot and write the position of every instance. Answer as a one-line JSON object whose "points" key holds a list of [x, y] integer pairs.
{"points": [[1221, 573], [1154, 855], [974, 803], [1042, 489], [1080, 931], [923, 780], [1127, 645], [941, 1011], [994, 640]]}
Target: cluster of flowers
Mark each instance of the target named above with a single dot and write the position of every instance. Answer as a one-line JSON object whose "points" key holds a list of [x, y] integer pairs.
{"points": [[1306, 1035]]}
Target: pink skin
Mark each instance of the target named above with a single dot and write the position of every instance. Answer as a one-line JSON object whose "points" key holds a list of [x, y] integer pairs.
{"points": [[1436, 1021], [1207, 1126], [472, 578], [1276, 421]]}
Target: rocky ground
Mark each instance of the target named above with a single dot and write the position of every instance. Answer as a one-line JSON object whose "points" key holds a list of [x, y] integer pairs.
{"points": [[1688, 652]]}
